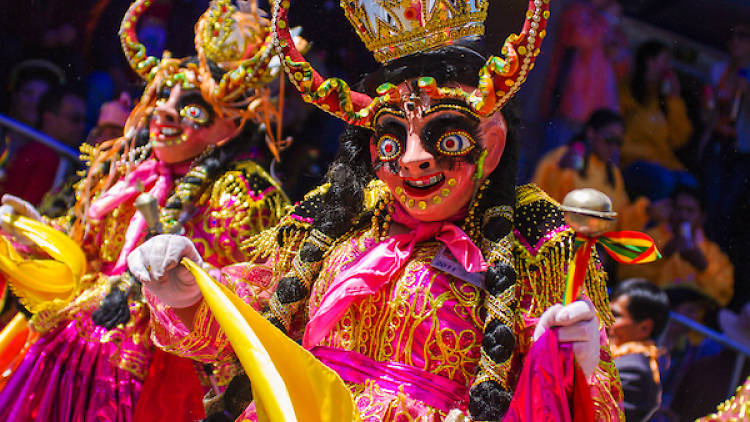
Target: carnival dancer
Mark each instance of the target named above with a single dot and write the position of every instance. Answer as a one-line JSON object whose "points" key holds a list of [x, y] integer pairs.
{"points": [[199, 116], [419, 273]]}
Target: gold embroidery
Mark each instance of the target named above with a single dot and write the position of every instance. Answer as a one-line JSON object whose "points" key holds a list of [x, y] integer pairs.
{"points": [[386, 325]]}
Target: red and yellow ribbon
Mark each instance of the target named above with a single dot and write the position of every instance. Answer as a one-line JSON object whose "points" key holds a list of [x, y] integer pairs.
{"points": [[626, 247]]}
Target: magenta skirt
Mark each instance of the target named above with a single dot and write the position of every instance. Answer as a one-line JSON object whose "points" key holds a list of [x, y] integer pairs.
{"points": [[68, 377]]}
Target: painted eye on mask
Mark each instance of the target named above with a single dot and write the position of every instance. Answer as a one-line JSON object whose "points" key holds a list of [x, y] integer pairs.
{"points": [[455, 143], [389, 148], [195, 113]]}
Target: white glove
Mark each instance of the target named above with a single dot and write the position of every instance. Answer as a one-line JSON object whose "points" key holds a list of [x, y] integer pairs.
{"points": [[13, 205], [156, 264], [578, 324]]}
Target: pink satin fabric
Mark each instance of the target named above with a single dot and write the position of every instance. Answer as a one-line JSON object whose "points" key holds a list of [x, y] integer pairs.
{"points": [[552, 387], [152, 175], [67, 376], [394, 377], [378, 266]]}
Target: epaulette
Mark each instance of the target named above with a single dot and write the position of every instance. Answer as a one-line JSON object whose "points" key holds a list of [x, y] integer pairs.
{"points": [[544, 245], [246, 186], [538, 220], [256, 177], [312, 201]]}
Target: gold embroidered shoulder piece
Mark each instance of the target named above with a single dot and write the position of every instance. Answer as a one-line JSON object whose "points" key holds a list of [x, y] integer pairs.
{"points": [[542, 245]]}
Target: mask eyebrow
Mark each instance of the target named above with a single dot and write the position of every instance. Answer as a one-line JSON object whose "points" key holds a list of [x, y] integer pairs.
{"points": [[440, 124], [455, 106], [393, 112], [193, 98], [390, 126]]}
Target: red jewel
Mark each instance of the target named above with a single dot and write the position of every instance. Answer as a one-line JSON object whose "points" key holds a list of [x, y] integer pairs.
{"points": [[388, 148], [411, 13], [450, 143]]}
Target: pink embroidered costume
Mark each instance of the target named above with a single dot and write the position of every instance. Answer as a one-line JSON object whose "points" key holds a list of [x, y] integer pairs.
{"points": [[185, 145], [413, 346], [418, 272]]}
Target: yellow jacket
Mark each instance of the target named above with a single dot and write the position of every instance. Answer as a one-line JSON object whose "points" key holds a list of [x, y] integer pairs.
{"points": [[558, 181], [717, 280], [652, 134]]}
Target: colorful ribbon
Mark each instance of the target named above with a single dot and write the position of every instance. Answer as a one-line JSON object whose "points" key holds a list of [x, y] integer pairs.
{"points": [[626, 247]]}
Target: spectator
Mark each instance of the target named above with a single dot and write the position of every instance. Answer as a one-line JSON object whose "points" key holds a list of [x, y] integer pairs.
{"points": [[111, 121], [641, 311], [726, 141], [656, 124], [684, 347], [37, 168], [706, 382], [688, 257], [582, 77], [27, 83], [112, 117], [591, 161]]}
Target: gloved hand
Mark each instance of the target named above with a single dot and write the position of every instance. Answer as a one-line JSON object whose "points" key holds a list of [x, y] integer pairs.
{"points": [[578, 324], [156, 264], [13, 205]]}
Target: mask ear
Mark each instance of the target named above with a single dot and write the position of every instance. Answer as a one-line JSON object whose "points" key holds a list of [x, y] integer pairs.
{"points": [[494, 131]]}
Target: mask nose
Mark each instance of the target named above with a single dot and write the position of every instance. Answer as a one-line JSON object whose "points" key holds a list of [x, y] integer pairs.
{"points": [[416, 157], [167, 111]]}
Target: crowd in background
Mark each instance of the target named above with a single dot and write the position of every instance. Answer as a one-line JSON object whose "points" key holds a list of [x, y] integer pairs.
{"points": [[617, 116]]}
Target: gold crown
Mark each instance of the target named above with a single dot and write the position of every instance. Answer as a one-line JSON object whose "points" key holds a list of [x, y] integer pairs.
{"points": [[395, 28]]}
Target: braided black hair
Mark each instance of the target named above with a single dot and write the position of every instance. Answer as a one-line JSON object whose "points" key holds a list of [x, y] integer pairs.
{"points": [[352, 171]]}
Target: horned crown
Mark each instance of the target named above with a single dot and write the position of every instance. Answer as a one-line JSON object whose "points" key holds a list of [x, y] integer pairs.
{"points": [[395, 28], [223, 40]]}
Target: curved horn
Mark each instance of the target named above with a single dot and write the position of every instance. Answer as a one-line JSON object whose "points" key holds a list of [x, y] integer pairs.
{"points": [[502, 77], [332, 95], [135, 52]]}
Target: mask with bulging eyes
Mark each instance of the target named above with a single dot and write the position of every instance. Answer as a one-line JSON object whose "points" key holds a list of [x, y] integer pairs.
{"points": [[184, 125], [434, 154]]}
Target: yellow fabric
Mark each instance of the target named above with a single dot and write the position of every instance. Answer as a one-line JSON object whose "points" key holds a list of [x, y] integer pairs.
{"points": [[717, 280], [651, 134], [42, 284], [288, 382], [10, 331], [558, 181]]}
